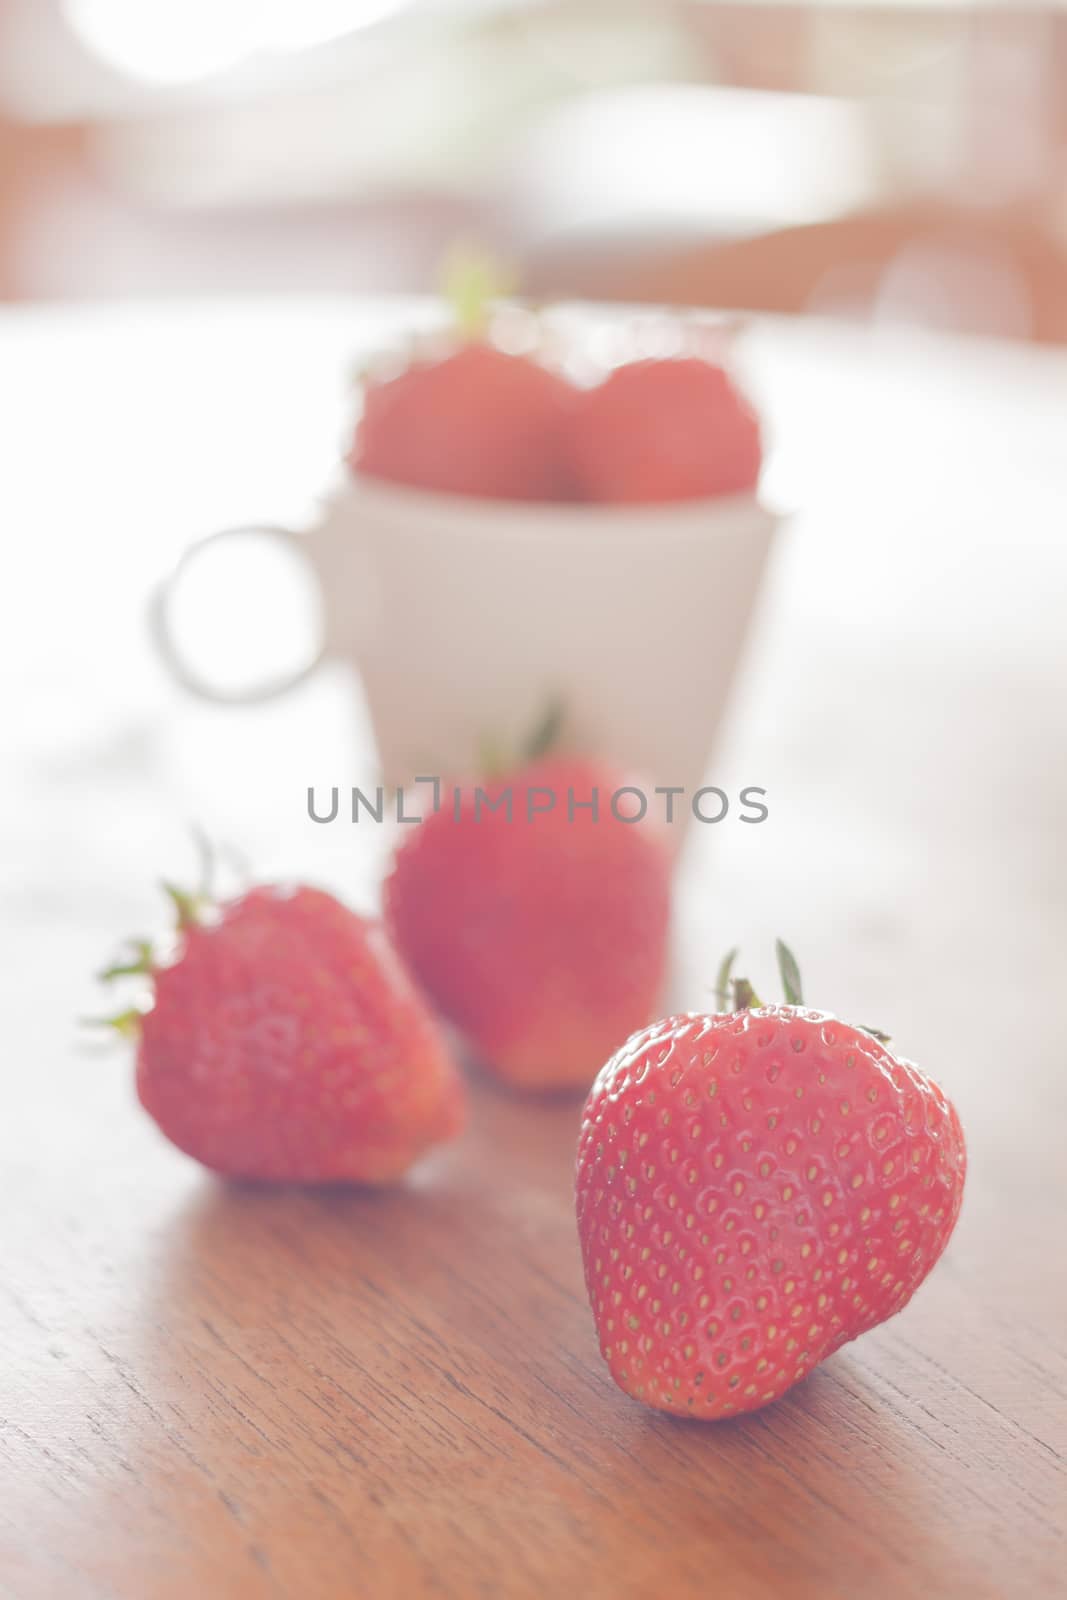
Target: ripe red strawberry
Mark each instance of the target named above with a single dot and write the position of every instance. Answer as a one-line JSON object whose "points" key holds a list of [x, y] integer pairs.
{"points": [[542, 940], [657, 431], [755, 1189], [285, 1042], [480, 422]]}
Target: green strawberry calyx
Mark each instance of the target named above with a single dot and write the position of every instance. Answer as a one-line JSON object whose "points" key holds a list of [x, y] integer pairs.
{"points": [[495, 760], [737, 994], [472, 278], [139, 958]]}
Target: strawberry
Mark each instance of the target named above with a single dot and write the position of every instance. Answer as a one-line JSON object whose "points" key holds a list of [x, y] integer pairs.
{"points": [[479, 422], [285, 1042], [754, 1189], [657, 431], [541, 937]]}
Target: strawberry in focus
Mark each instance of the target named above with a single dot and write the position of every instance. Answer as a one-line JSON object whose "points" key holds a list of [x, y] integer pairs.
{"points": [[754, 1189], [286, 1043], [665, 430], [542, 937], [479, 422]]}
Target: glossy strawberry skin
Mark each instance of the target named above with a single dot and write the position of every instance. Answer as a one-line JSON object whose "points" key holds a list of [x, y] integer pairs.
{"points": [[660, 431], [286, 1043], [479, 422], [754, 1190], [543, 942]]}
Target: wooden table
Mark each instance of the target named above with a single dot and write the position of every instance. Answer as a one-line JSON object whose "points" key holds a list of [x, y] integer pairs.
{"points": [[244, 1394]]}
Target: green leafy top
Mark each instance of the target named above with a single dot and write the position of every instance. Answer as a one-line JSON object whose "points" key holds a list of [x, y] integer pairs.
{"points": [[139, 959], [495, 760], [471, 279], [737, 994]]}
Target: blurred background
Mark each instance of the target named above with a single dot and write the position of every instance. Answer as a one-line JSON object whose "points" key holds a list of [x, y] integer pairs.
{"points": [[211, 212], [902, 160]]}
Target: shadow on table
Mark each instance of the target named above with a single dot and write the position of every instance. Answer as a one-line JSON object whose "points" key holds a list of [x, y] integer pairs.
{"points": [[837, 1479], [449, 1311]]}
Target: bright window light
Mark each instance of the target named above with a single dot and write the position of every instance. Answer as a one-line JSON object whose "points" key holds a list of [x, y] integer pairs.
{"points": [[178, 41]]}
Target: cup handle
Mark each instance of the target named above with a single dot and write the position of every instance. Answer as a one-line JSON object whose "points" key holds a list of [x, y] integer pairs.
{"points": [[185, 673]]}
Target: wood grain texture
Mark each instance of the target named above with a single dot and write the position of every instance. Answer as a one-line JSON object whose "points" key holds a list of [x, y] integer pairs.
{"points": [[246, 1393]]}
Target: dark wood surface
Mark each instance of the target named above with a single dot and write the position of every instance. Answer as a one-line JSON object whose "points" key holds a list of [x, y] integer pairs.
{"points": [[242, 1393]]}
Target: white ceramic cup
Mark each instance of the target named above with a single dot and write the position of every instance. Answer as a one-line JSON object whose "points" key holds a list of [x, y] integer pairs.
{"points": [[465, 618]]}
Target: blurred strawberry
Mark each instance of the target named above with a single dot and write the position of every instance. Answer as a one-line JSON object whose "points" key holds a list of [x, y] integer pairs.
{"points": [[540, 933], [658, 431], [479, 422], [285, 1042]]}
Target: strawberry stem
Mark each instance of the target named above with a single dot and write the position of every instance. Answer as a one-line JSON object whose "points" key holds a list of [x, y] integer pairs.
{"points": [[140, 964], [494, 757], [125, 1023], [187, 906], [545, 735], [722, 988], [745, 997], [471, 279], [141, 960], [790, 974]]}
